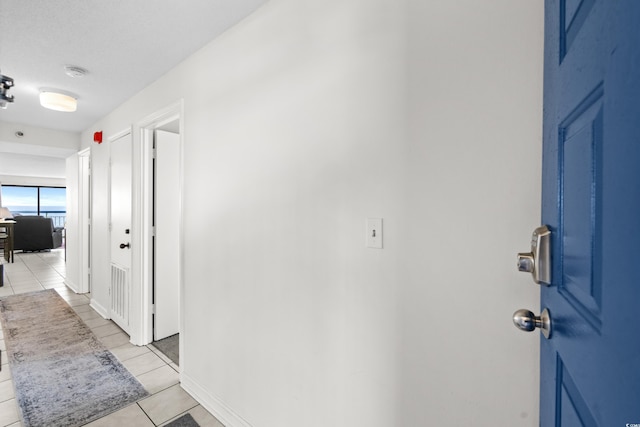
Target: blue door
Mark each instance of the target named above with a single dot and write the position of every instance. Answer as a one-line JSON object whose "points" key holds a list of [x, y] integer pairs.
{"points": [[590, 366]]}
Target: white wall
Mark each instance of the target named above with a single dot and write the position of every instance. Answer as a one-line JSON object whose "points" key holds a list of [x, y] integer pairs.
{"points": [[72, 232], [302, 121], [37, 157], [100, 252], [475, 73], [45, 140], [30, 166]]}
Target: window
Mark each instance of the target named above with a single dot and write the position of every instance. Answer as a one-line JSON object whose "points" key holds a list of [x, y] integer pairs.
{"points": [[45, 201]]}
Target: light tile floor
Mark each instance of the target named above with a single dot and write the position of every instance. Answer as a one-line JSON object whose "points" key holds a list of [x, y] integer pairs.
{"points": [[168, 401]]}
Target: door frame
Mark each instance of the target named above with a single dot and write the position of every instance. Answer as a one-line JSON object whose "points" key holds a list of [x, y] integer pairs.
{"points": [[143, 206], [84, 219]]}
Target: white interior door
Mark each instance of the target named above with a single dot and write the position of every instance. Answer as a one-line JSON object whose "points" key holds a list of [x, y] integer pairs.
{"points": [[167, 235], [120, 215]]}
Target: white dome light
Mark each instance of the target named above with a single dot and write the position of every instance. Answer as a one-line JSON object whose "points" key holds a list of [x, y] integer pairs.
{"points": [[58, 101]]}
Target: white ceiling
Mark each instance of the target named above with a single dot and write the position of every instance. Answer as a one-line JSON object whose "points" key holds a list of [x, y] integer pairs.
{"points": [[124, 44]]}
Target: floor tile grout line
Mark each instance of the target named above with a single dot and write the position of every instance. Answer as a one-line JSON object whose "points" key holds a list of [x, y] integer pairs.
{"points": [[145, 412], [169, 419]]}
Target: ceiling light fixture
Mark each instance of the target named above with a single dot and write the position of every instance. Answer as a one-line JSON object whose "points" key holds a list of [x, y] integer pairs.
{"points": [[58, 101], [6, 83]]}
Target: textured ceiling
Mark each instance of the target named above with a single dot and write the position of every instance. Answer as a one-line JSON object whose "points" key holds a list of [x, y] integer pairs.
{"points": [[124, 44]]}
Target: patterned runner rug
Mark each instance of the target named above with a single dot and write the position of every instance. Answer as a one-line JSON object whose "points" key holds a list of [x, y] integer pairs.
{"points": [[62, 374]]}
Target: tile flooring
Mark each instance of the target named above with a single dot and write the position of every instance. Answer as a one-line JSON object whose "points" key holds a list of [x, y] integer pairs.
{"points": [[45, 270]]}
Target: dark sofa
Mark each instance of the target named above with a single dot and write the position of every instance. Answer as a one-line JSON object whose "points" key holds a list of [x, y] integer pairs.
{"points": [[35, 233]]}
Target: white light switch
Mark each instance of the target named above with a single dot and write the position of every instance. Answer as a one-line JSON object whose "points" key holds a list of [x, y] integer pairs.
{"points": [[374, 233]]}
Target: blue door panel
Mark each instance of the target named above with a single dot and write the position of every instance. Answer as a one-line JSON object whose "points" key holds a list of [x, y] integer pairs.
{"points": [[572, 15], [580, 145], [590, 367], [572, 407]]}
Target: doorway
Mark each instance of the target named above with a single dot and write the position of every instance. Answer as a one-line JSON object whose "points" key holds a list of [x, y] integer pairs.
{"points": [[166, 242], [161, 244]]}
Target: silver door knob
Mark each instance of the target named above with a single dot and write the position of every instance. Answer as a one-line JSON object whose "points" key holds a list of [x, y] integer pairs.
{"points": [[525, 320]]}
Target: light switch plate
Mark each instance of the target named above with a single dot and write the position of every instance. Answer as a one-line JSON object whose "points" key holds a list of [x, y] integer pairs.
{"points": [[374, 233]]}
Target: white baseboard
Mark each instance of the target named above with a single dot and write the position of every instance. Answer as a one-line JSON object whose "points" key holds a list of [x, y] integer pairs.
{"points": [[215, 406], [100, 309]]}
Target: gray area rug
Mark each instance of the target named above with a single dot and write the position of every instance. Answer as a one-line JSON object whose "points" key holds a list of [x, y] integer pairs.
{"points": [[62, 374], [169, 347], [184, 421]]}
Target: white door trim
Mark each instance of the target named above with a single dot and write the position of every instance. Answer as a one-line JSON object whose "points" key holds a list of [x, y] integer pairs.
{"points": [[84, 220]]}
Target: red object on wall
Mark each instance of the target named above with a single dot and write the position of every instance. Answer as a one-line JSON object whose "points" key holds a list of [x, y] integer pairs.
{"points": [[97, 137]]}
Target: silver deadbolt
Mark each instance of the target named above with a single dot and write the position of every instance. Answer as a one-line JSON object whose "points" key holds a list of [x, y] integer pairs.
{"points": [[538, 261], [525, 320]]}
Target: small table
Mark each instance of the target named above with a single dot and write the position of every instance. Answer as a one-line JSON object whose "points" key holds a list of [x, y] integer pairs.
{"points": [[7, 224]]}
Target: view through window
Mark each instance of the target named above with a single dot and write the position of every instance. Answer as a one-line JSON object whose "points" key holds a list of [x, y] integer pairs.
{"points": [[31, 200]]}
